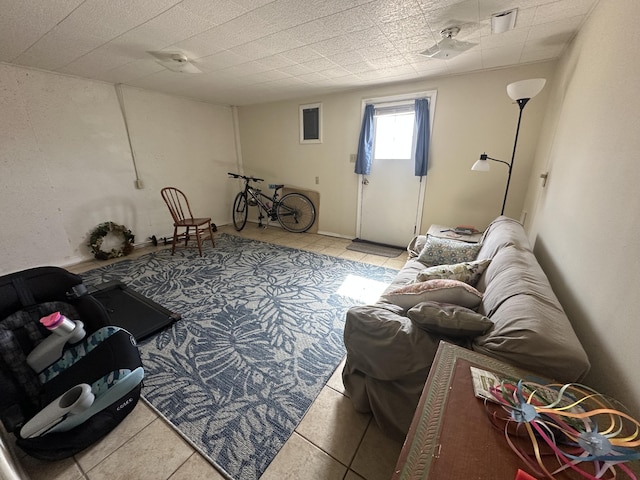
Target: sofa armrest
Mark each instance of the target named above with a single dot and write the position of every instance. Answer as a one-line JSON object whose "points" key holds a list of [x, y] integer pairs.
{"points": [[416, 245], [384, 344]]}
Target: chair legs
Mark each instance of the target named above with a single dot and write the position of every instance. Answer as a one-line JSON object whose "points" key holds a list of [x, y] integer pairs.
{"points": [[199, 233]]}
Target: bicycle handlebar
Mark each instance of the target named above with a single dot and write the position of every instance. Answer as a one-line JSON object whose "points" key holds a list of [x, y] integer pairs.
{"points": [[254, 179]]}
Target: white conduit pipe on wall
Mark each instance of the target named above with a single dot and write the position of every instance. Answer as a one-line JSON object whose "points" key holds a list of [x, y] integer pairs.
{"points": [[118, 87]]}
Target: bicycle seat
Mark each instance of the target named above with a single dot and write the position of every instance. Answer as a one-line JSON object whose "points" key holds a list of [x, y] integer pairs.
{"points": [[275, 187]]}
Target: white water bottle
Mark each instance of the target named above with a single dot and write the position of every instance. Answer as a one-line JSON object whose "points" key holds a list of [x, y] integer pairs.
{"points": [[50, 349]]}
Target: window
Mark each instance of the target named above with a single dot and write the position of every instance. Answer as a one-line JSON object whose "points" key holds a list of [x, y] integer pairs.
{"points": [[393, 128], [311, 123]]}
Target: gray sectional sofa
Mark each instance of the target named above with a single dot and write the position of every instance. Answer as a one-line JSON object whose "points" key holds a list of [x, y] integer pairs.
{"points": [[389, 354]]}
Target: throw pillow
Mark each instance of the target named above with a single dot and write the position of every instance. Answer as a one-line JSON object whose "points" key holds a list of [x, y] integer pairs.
{"points": [[448, 320], [443, 251], [440, 290], [467, 272]]}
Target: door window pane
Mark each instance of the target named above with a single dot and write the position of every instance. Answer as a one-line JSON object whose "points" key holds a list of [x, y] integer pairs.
{"points": [[393, 138]]}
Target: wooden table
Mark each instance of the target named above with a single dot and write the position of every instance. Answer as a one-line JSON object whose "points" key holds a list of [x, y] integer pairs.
{"points": [[451, 437]]}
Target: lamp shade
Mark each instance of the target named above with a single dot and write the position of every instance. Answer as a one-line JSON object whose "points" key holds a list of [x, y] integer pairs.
{"points": [[480, 166], [525, 88]]}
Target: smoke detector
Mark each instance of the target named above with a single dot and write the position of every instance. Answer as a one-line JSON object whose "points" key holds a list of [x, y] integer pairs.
{"points": [[176, 62], [448, 47]]}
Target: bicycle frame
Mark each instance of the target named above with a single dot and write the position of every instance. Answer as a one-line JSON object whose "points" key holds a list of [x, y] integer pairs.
{"points": [[262, 201]]}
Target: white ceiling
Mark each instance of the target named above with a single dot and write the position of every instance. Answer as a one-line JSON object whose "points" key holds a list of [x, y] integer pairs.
{"points": [[255, 51]]}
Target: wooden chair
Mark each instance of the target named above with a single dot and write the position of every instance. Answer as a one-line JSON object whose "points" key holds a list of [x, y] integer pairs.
{"points": [[183, 218]]}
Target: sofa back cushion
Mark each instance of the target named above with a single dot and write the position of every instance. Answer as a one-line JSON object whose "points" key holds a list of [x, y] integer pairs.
{"points": [[502, 232], [530, 328]]}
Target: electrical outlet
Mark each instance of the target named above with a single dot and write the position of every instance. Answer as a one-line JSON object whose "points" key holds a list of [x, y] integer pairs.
{"points": [[317, 180], [353, 157]]}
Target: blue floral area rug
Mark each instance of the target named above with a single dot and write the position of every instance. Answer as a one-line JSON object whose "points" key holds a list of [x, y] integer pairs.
{"points": [[260, 335]]}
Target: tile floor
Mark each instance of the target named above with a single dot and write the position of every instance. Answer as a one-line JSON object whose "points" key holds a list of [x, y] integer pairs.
{"points": [[333, 441]]}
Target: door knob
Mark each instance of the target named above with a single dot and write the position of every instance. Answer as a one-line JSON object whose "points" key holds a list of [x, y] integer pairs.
{"points": [[365, 181]]}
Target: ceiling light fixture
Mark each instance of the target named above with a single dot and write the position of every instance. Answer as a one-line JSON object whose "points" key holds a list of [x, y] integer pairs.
{"points": [[503, 21], [176, 62], [448, 47]]}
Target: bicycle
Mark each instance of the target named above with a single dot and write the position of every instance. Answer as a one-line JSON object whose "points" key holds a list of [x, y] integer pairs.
{"points": [[294, 211]]}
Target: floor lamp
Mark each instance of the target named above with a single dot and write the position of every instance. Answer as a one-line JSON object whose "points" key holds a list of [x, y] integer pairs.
{"points": [[521, 92]]}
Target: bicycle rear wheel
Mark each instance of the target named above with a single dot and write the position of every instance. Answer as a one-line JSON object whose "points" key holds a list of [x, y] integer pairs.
{"points": [[240, 211], [296, 213]]}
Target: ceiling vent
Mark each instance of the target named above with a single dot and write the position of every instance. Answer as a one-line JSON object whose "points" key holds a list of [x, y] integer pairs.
{"points": [[448, 47], [176, 62], [503, 21]]}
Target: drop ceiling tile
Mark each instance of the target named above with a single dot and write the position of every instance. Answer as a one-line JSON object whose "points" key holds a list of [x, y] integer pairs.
{"points": [[220, 61], [318, 64], [276, 43], [286, 13], [249, 68], [409, 27], [95, 63], [559, 30], [56, 49], [503, 56], [277, 61], [174, 25], [431, 5], [129, 71], [323, 8], [295, 69], [460, 13], [301, 54], [384, 11], [524, 17], [335, 72], [413, 44], [238, 31], [107, 20], [347, 58], [23, 23], [559, 10], [535, 52], [504, 39], [214, 11], [379, 51], [468, 61], [313, 77]]}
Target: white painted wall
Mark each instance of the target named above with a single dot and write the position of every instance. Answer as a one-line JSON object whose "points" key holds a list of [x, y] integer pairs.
{"points": [[66, 166], [473, 114], [585, 226]]}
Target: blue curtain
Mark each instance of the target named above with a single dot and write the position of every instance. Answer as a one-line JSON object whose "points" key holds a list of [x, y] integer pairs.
{"points": [[421, 147], [365, 144]]}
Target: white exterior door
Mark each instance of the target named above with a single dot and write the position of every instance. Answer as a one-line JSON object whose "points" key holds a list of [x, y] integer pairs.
{"points": [[390, 203]]}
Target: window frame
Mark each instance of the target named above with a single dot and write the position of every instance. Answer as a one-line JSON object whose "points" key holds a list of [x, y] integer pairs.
{"points": [[315, 137]]}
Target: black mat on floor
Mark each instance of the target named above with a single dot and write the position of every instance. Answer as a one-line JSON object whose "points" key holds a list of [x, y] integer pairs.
{"points": [[374, 248], [132, 311]]}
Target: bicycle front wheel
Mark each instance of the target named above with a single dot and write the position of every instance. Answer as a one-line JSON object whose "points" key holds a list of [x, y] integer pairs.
{"points": [[296, 213], [240, 211]]}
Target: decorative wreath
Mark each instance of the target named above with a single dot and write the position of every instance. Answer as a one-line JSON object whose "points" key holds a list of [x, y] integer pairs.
{"points": [[101, 231]]}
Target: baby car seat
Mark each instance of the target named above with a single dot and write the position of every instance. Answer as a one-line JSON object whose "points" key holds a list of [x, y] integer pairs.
{"points": [[67, 377]]}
